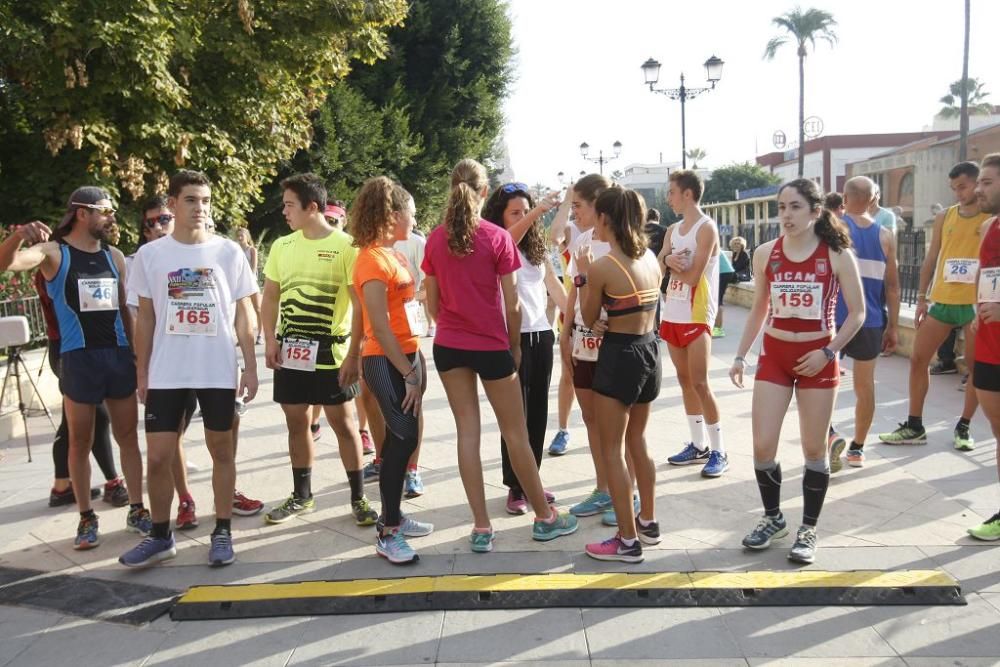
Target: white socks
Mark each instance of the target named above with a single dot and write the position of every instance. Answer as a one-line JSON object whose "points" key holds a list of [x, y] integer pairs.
{"points": [[715, 437], [697, 425]]}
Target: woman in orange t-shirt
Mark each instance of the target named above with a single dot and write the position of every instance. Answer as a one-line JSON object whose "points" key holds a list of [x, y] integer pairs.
{"points": [[392, 365]]}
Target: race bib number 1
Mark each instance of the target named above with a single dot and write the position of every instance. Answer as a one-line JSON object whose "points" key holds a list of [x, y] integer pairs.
{"points": [[97, 294], [989, 285], [299, 354], [797, 300], [960, 270], [192, 317], [415, 318], [586, 345]]}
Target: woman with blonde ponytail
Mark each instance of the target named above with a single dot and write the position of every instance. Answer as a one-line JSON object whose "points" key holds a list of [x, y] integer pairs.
{"points": [[471, 285]]}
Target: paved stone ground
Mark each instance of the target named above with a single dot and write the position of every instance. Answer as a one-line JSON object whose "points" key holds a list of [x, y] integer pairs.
{"points": [[907, 508]]}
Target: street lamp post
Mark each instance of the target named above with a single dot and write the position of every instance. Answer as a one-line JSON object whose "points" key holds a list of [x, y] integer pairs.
{"points": [[600, 159], [713, 72]]}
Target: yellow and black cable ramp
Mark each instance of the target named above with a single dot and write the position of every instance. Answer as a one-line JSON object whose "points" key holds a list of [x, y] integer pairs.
{"points": [[533, 591]]}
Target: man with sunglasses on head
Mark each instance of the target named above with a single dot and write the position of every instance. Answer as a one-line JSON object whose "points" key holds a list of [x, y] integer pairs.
{"points": [[86, 281]]}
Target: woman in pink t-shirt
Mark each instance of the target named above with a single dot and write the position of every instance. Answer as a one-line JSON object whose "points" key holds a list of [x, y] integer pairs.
{"points": [[472, 294]]}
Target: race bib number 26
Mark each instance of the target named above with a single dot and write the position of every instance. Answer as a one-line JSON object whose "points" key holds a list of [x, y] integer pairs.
{"points": [[960, 270]]}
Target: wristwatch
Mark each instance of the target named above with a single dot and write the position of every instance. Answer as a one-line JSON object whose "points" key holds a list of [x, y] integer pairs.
{"points": [[579, 281], [830, 354]]}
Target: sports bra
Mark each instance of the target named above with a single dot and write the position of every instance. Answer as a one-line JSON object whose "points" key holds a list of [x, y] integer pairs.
{"points": [[636, 302]]}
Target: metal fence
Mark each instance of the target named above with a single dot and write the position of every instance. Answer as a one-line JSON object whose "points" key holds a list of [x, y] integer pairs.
{"points": [[31, 308], [910, 250]]}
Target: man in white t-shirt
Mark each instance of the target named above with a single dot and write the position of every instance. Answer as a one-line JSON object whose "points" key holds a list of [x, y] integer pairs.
{"points": [[193, 289]]}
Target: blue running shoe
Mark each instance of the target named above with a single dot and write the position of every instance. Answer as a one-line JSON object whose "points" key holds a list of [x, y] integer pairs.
{"points": [[372, 471], [564, 523], [87, 534], [394, 548], [150, 551], [481, 542], [595, 503], [609, 518], [408, 526], [718, 463], [139, 521], [688, 456], [221, 553], [413, 487], [559, 443]]}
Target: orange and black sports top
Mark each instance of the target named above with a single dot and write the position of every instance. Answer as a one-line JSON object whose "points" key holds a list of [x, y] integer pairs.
{"points": [[626, 304]]}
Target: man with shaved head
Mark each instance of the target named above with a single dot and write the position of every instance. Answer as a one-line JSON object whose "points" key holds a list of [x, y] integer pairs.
{"points": [[875, 247]]}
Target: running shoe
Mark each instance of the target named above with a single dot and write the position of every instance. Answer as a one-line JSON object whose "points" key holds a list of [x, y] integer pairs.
{"points": [[292, 507], [855, 458], [186, 518], [768, 528], [394, 548], [243, 506], [221, 552], [905, 435], [410, 527], [689, 455], [647, 534], [988, 530], [563, 523], [87, 534], [139, 521], [559, 443], [413, 486], [835, 445], [482, 542], [943, 368], [516, 504], [610, 519], [616, 549], [150, 551], [804, 549], [115, 492], [718, 463], [595, 503], [67, 497], [314, 430], [718, 332], [372, 471], [963, 441], [367, 446], [363, 513]]}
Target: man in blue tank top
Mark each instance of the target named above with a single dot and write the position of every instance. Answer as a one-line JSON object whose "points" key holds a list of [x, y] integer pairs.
{"points": [[875, 248], [86, 281]]}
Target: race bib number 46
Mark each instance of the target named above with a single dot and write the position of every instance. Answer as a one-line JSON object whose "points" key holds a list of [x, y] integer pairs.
{"points": [[960, 270], [299, 354], [989, 285], [586, 345], [98, 294], [797, 300], [191, 317]]}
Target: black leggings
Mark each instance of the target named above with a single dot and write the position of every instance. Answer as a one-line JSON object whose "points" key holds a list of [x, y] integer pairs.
{"points": [[402, 430], [102, 434], [535, 375]]}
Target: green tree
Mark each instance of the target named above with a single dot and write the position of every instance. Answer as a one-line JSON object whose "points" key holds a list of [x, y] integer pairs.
{"points": [[727, 180], [124, 96], [977, 100], [803, 27]]}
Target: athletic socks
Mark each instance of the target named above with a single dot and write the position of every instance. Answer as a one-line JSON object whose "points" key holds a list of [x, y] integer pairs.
{"points": [[356, 478], [856, 446], [89, 514], [963, 424], [915, 422], [769, 483], [697, 425], [160, 530], [715, 437], [302, 483], [411, 467], [222, 526], [814, 485]]}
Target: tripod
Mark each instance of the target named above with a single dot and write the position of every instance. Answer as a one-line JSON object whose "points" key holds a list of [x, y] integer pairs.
{"points": [[15, 364]]}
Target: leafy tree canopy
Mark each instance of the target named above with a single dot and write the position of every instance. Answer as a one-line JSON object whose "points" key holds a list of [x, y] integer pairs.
{"points": [[727, 180], [978, 105]]}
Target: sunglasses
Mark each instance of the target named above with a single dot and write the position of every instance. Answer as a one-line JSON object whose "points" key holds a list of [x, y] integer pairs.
{"points": [[103, 210], [162, 220], [511, 188]]}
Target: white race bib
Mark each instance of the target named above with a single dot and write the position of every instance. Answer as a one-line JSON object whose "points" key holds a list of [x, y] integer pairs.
{"points": [[192, 317], [960, 270], [989, 285], [678, 290], [97, 294], [586, 345], [299, 354], [797, 300], [415, 318]]}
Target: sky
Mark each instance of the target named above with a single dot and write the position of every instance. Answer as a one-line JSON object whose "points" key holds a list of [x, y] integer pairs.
{"points": [[578, 76]]}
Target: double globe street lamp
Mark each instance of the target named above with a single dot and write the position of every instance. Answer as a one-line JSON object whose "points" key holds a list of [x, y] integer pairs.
{"points": [[600, 159], [713, 72]]}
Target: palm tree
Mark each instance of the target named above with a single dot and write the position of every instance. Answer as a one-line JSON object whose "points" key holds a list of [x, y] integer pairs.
{"points": [[804, 27], [977, 100], [694, 155]]}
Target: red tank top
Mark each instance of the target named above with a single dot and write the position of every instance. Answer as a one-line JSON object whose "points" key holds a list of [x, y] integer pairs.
{"points": [[803, 295], [988, 336]]}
